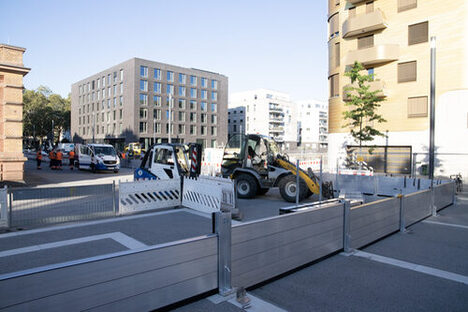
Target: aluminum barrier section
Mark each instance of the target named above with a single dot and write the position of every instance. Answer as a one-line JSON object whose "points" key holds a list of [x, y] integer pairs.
{"points": [[416, 206], [148, 195], [444, 195], [208, 194], [369, 222], [266, 248], [4, 220], [139, 280]]}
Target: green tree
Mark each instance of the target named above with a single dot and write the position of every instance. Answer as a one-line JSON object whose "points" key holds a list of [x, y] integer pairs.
{"points": [[41, 109], [363, 105]]}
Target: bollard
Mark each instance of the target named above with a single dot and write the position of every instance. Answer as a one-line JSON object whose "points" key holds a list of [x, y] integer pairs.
{"points": [[346, 226], [223, 229], [402, 214]]}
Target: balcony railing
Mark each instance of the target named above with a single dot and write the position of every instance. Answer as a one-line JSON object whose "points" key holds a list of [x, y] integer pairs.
{"points": [[364, 23], [276, 109], [382, 53], [373, 86]]}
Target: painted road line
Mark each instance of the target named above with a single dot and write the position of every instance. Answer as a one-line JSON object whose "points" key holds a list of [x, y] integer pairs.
{"points": [[446, 224], [414, 267], [119, 237]]}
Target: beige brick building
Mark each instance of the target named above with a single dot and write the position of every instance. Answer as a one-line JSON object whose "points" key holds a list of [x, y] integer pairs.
{"points": [[12, 71], [391, 38]]}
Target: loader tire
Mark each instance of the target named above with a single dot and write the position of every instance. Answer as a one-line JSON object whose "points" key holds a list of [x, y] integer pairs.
{"points": [[246, 186], [287, 187]]}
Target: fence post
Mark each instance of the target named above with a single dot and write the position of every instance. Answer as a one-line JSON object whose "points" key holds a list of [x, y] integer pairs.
{"points": [[223, 229], [402, 214], [346, 226], [114, 208]]}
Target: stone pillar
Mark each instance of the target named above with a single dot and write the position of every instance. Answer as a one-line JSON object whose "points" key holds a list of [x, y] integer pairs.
{"points": [[11, 112]]}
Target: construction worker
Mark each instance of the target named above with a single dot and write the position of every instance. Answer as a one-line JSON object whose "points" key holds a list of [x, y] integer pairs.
{"points": [[71, 159], [39, 158], [59, 157], [52, 159]]}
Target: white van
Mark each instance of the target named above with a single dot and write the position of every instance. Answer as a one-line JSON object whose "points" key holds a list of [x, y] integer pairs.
{"points": [[97, 157]]}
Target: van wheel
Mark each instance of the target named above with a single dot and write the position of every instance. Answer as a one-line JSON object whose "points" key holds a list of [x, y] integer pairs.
{"points": [[287, 187], [246, 186], [116, 171]]}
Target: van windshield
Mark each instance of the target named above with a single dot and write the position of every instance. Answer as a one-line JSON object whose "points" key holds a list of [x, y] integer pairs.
{"points": [[104, 150]]}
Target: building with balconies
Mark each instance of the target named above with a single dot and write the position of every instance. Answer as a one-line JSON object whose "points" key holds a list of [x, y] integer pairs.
{"points": [[313, 121], [267, 112], [392, 39]]}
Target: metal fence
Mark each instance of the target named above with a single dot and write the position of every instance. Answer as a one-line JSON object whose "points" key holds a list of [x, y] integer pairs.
{"points": [[34, 207]]}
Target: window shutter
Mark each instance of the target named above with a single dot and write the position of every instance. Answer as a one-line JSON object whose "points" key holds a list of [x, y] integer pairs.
{"points": [[417, 106], [418, 33], [404, 5], [407, 71], [365, 42]]}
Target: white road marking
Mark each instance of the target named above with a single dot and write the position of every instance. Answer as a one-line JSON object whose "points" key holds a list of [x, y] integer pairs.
{"points": [[414, 267], [446, 224], [119, 237]]}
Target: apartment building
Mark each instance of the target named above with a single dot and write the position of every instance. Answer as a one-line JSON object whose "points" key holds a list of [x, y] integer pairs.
{"points": [[236, 120], [12, 71], [313, 124], [392, 39], [139, 100], [270, 113]]}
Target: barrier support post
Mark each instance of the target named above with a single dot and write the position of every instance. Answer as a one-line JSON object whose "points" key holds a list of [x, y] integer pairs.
{"points": [[433, 206], [223, 229], [114, 208], [346, 227], [402, 214], [10, 209]]}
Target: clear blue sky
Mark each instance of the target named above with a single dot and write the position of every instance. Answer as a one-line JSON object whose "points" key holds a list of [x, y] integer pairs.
{"points": [[276, 44]]}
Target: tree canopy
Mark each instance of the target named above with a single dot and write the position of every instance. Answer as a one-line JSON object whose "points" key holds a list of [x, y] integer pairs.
{"points": [[363, 106], [42, 109]]}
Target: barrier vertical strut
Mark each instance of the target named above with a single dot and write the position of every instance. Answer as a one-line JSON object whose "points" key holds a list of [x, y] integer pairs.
{"points": [[113, 199], [223, 229], [402, 214], [346, 231]]}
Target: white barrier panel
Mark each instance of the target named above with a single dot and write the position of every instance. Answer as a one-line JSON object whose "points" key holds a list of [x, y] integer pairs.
{"points": [[148, 195], [211, 163], [208, 194], [3, 208]]}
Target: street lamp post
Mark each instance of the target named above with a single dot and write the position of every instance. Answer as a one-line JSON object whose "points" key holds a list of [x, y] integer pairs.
{"points": [[432, 110]]}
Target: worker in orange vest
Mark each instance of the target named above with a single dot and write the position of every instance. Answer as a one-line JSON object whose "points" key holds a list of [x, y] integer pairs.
{"points": [[59, 156], [52, 159], [71, 159], [39, 158]]}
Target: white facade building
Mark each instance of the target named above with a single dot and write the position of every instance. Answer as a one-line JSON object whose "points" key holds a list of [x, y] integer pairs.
{"points": [[269, 113], [313, 121]]}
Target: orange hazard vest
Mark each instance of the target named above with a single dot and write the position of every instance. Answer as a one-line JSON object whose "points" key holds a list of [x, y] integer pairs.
{"points": [[59, 155], [39, 155], [71, 155], [51, 155]]}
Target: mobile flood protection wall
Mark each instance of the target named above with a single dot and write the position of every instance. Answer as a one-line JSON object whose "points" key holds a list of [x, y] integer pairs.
{"points": [[242, 255]]}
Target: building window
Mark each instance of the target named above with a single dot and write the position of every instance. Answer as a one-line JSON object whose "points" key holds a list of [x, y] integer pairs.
{"points": [[404, 5], [144, 85], [143, 71], [213, 107], [120, 100], [203, 106], [418, 33], [193, 129], [167, 128], [213, 143], [170, 89], [114, 101], [143, 127], [214, 120], [193, 80], [334, 26], [193, 105], [157, 127], [365, 42], [214, 131], [181, 129], [182, 78], [113, 115], [157, 114], [109, 92], [193, 117], [121, 114], [108, 79], [115, 89], [167, 115], [103, 105], [103, 81], [214, 95], [203, 118], [121, 75], [108, 104], [204, 94], [181, 104], [157, 87], [214, 84], [337, 54], [417, 106], [334, 85], [98, 83], [103, 93], [193, 93], [143, 113], [143, 99], [181, 116], [203, 130], [115, 76], [182, 91], [157, 100], [121, 88], [170, 76], [204, 83], [157, 74], [407, 71]]}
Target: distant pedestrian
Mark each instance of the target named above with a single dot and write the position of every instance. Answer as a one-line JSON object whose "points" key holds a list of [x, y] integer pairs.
{"points": [[71, 159], [52, 159], [59, 157], [39, 158]]}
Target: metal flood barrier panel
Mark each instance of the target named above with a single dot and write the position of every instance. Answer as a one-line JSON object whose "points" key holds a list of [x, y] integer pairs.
{"points": [[417, 206], [266, 248], [32, 207], [148, 195], [444, 195], [372, 221], [208, 194], [127, 281]]}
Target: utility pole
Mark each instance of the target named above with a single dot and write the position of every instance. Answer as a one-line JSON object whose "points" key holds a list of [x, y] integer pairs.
{"points": [[432, 111]]}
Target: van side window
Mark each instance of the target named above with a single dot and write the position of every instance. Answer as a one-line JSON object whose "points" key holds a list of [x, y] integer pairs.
{"points": [[164, 156]]}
